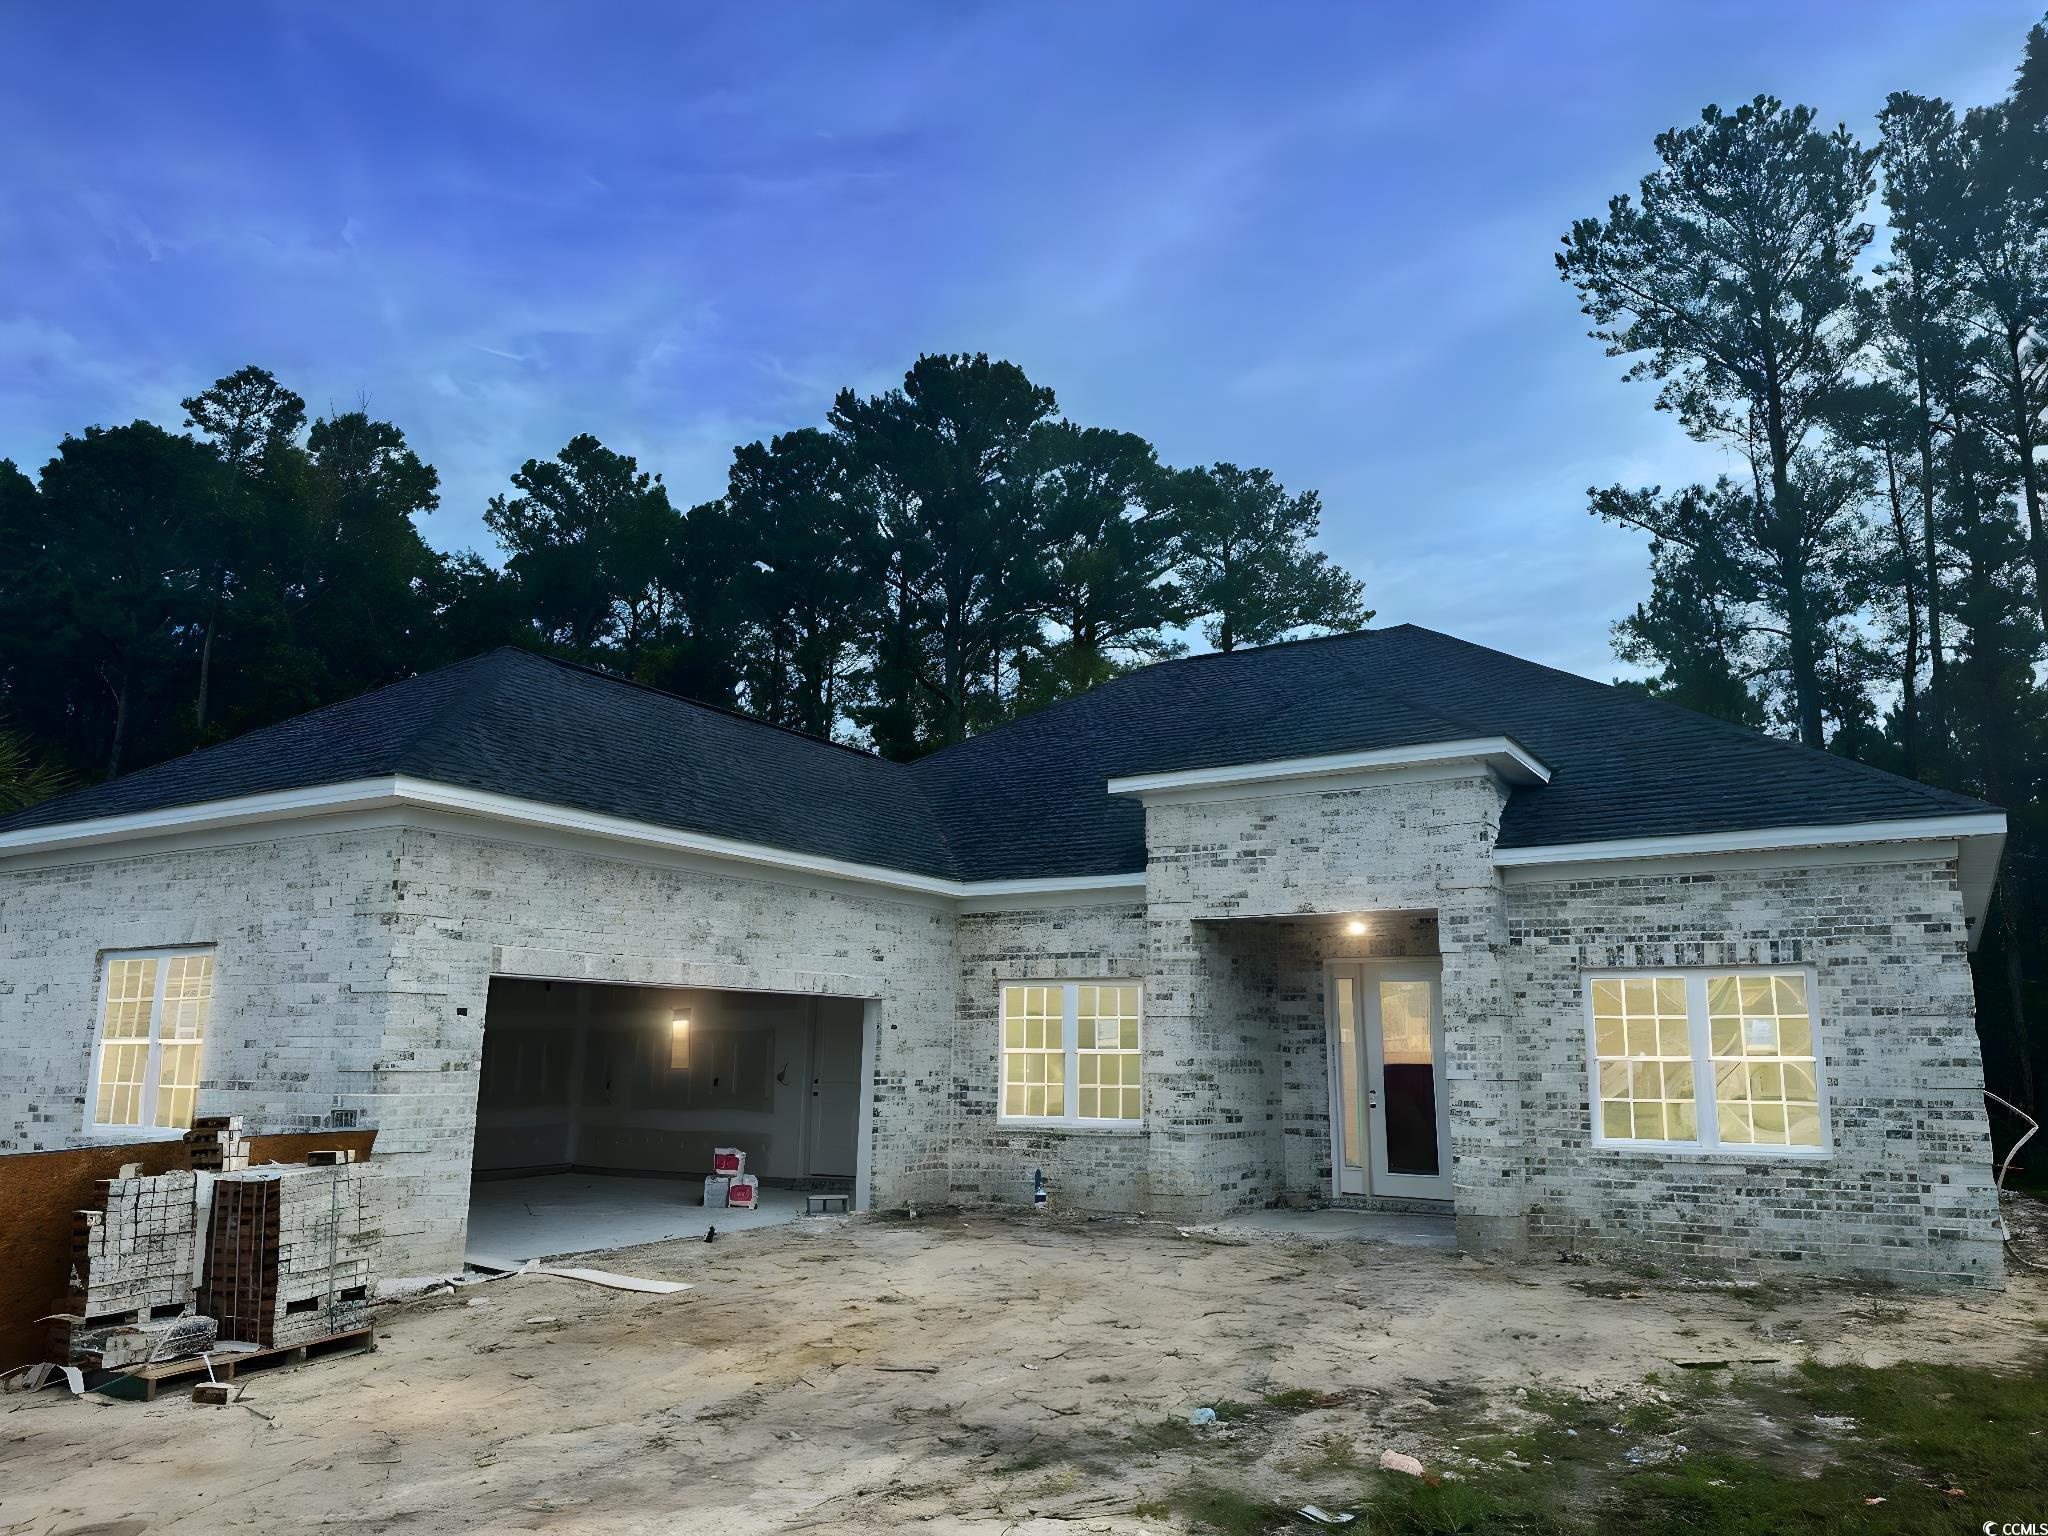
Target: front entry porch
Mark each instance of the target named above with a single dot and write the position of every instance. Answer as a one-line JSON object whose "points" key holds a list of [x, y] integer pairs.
{"points": [[1312, 1065]]}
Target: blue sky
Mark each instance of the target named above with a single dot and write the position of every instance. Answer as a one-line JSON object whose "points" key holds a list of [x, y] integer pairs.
{"points": [[1313, 237]]}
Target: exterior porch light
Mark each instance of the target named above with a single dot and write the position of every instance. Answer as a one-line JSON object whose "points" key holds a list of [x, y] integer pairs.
{"points": [[679, 1040], [1356, 927]]}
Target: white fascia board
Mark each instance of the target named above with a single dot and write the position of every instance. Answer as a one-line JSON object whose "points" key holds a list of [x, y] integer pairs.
{"points": [[1758, 840], [241, 811], [1505, 757], [401, 791]]}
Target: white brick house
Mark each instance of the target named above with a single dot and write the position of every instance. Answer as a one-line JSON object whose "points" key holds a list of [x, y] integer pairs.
{"points": [[1385, 918]]}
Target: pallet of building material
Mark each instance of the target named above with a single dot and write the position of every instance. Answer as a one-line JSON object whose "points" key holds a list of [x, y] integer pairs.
{"points": [[133, 1251], [143, 1380], [290, 1252]]}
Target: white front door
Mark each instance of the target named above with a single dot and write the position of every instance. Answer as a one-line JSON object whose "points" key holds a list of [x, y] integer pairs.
{"points": [[1390, 1102]]}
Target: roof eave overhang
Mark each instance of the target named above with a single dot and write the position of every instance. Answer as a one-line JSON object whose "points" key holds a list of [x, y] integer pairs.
{"points": [[1978, 839], [1514, 764], [394, 792]]}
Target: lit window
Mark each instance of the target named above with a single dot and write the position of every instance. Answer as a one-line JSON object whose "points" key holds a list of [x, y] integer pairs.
{"points": [[152, 1033], [1657, 1038], [1070, 1052], [1766, 1082], [1644, 1050]]}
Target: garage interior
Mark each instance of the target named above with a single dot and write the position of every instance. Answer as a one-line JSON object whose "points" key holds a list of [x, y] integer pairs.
{"points": [[598, 1106]]}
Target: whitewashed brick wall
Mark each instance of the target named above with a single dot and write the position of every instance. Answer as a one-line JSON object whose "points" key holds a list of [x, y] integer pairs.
{"points": [[354, 967], [297, 1014], [1097, 1170], [352, 972], [1907, 1195]]}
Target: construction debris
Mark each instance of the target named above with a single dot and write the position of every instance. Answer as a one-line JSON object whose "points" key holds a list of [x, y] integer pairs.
{"points": [[172, 1265], [165, 1338]]}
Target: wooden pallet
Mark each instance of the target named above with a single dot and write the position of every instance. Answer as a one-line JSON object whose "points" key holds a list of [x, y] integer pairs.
{"points": [[225, 1366]]}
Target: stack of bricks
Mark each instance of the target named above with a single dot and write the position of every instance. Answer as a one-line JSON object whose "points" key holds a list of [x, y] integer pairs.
{"points": [[135, 1252], [291, 1252], [216, 1144], [131, 1258]]}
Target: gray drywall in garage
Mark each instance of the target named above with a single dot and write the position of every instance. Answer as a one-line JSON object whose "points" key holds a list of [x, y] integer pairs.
{"points": [[578, 1074]]}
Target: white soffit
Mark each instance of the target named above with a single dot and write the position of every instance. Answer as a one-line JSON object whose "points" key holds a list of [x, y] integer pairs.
{"points": [[1505, 757]]}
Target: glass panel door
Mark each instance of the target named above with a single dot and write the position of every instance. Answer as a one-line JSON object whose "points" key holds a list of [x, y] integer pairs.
{"points": [[1408, 1067], [1406, 1091]]}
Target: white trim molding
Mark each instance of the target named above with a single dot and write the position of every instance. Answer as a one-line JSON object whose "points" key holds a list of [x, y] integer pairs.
{"points": [[1505, 757], [1975, 840], [402, 792]]}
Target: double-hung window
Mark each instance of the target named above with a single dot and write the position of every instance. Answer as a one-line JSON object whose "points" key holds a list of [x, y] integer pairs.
{"points": [[154, 1008], [1714, 1060], [1071, 1053]]}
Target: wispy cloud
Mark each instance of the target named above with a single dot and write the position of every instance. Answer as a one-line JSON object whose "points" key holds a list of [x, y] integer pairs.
{"points": [[1313, 239]]}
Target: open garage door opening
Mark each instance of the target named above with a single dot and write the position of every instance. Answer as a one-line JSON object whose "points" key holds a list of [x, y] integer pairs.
{"points": [[599, 1106]]}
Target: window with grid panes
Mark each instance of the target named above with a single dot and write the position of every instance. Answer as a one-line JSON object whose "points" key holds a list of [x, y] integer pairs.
{"points": [[152, 1035], [1706, 1059], [1071, 1053], [1766, 1082], [1644, 1050]]}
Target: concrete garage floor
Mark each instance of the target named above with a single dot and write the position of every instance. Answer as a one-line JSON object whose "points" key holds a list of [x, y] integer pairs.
{"points": [[552, 1214]]}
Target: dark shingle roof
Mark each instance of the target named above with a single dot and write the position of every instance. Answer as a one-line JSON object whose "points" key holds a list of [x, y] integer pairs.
{"points": [[518, 724], [1028, 799]]}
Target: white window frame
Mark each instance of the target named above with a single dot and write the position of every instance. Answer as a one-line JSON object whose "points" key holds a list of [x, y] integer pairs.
{"points": [[153, 1062], [1706, 1113], [1070, 1047]]}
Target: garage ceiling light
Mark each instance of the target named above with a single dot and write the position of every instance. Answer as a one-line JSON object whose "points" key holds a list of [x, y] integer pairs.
{"points": [[679, 1040]]}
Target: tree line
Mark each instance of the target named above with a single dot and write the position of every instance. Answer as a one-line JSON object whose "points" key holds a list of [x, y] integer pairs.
{"points": [[928, 562], [1871, 575]]}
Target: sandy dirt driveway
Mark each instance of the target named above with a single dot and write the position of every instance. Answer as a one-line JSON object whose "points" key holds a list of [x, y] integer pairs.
{"points": [[980, 1373]]}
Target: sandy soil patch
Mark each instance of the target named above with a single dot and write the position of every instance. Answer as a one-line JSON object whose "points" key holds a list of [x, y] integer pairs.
{"points": [[978, 1373]]}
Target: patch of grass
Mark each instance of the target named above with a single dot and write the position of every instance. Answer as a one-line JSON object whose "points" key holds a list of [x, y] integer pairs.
{"points": [[1166, 1435], [1464, 1509], [1649, 1418], [1922, 1430], [1328, 1458], [1293, 1400], [1225, 1511]]}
